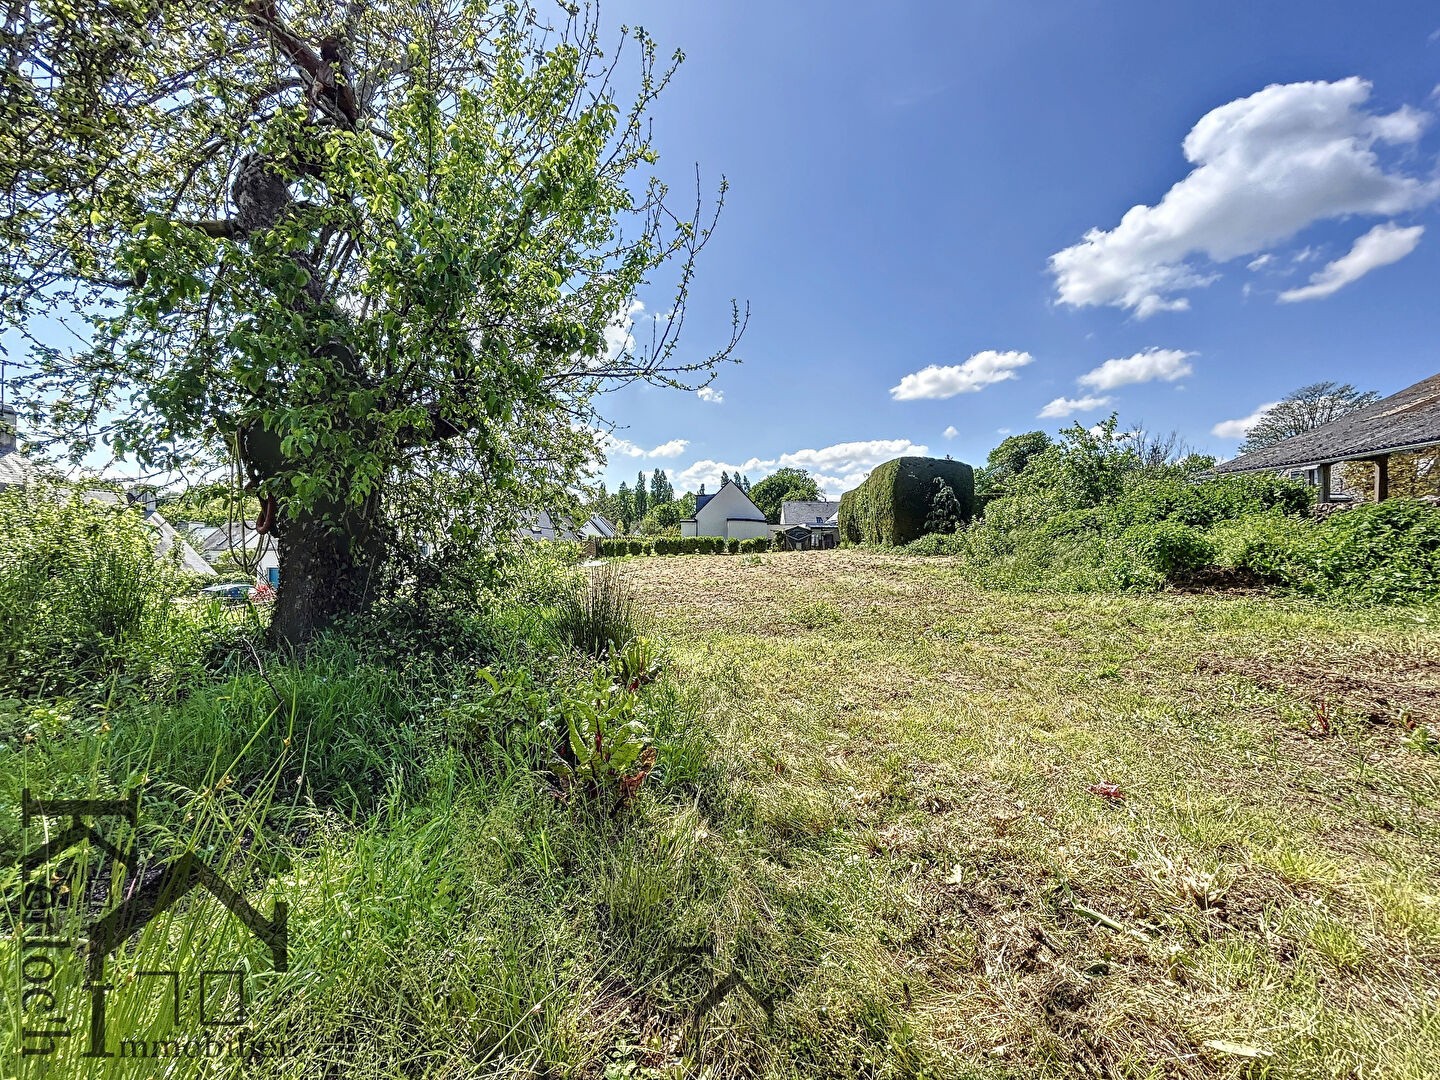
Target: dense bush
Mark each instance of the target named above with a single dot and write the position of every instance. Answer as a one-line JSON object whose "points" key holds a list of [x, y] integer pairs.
{"points": [[1387, 552], [679, 545], [1150, 496], [1089, 512], [84, 597], [1170, 549], [894, 503]]}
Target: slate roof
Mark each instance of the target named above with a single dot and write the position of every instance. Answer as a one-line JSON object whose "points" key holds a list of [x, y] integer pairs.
{"points": [[1408, 420], [15, 471], [797, 512], [701, 500], [168, 538]]}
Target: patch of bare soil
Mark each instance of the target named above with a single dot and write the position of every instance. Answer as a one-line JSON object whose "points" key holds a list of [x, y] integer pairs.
{"points": [[1382, 688], [1221, 580]]}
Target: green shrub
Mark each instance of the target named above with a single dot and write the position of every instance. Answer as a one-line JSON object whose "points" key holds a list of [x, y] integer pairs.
{"points": [[894, 503], [939, 544], [733, 546], [1172, 496], [83, 594], [1170, 549], [634, 547], [1270, 546], [1385, 552]]}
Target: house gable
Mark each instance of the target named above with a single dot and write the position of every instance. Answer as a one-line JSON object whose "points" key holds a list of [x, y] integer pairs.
{"points": [[714, 515]]}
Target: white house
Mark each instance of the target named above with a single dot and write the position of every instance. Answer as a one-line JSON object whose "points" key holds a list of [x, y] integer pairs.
{"points": [[239, 540], [728, 513]]}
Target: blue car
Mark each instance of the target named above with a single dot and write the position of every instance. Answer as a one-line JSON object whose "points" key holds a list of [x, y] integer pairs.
{"points": [[235, 593]]}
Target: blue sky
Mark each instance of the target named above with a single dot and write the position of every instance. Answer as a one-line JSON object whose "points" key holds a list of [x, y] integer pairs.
{"points": [[942, 186]]}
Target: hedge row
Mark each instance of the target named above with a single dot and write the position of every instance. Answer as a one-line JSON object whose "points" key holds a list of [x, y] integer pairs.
{"points": [[891, 506], [680, 545]]}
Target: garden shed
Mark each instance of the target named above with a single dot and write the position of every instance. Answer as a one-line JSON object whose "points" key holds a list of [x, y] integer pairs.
{"points": [[1401, 423]]}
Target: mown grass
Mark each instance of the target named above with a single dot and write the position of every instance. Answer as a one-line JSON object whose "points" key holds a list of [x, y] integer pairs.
{"points": [[919, 752], [868, 848]]}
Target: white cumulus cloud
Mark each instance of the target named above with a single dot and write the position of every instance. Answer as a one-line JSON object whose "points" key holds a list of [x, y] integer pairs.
{"points": [[1381, 246], [1063, 406], [951, 431], [1238, 429], [836, 468], [1148, 366], [976, 373], [613, 445], [1265, 167], [710, 394]]}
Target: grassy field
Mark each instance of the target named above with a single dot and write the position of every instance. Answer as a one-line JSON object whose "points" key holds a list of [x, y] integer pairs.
{"points": [[877, 841], [937, 884]]}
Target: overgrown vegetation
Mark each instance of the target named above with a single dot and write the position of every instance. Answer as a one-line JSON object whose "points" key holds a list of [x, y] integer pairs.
{"points": [[840, 822], [85, 599], [1092, 512], [471, 836]]}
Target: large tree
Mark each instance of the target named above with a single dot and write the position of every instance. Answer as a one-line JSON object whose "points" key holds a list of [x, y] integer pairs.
{"points": [[1008, 460], [1305, 410], [783, 485], [380, 254]]}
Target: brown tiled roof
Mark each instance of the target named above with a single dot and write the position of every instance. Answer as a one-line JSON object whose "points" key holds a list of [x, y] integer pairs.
{"points": [[1404, 421]]}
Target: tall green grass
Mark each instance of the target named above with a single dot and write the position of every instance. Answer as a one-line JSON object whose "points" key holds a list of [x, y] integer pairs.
{"points": [[599, 615], [452, 910]]}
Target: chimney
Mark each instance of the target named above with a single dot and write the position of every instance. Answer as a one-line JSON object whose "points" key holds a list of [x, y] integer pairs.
{"points": [[8, 428], [144, 497]]}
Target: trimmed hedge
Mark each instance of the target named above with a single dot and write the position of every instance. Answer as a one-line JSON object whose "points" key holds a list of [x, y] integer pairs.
{"points": [[891, 506], [680, 545]]}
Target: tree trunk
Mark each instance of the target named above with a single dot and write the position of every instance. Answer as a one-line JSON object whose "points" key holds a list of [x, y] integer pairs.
{"points": [[330, 558]]}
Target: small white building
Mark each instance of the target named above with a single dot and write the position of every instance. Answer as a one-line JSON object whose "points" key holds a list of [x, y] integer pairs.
{"points": [[240, 541], [728, 513], [820, 521]]}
